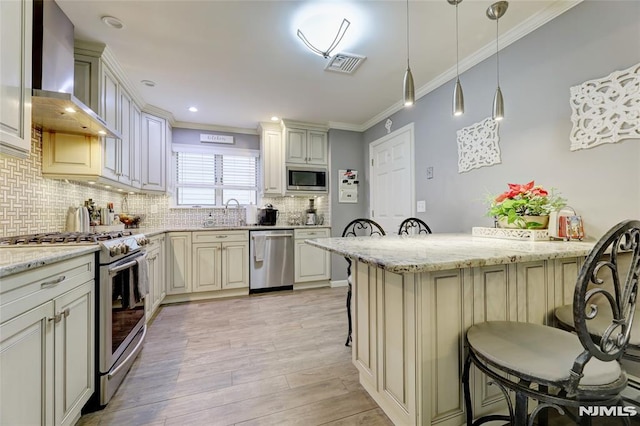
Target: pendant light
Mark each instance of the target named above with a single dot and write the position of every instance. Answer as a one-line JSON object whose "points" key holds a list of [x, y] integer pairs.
{"points": [[409, 90], [495, 12], [458, 96]]}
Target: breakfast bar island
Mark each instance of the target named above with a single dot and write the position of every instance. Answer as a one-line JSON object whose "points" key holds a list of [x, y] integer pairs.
{"points": [[415, 296]]}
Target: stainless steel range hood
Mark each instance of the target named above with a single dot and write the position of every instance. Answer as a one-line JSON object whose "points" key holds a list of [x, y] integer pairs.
{"points": [[55, 108]]}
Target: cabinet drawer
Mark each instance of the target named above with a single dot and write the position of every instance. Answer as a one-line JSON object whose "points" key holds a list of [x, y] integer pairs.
{"points": [[219, 236], [26, 290], [311, 233], [155, 242]]}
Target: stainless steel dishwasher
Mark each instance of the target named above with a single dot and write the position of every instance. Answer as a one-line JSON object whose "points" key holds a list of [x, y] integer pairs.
{"points": [[271, 260]]}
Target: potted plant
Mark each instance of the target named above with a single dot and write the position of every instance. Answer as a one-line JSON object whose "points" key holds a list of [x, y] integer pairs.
{"points": [[525, 206]]}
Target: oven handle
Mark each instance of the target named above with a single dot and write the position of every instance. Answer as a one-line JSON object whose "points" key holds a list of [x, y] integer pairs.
{"points": [[124, 266], [133, 354]]}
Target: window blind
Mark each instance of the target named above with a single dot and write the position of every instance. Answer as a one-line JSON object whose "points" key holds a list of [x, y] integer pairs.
{"points": [[212, 179]]}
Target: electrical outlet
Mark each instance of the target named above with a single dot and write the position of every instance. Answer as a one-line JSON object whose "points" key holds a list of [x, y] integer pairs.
{"points": [[422, 206], [430, 172], [154, 209]]}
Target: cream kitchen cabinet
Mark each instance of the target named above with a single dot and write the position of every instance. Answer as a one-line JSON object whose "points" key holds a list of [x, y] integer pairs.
{"points": [[311, 263], [272, 153], [15, 77], [154, 140], [305, 143], [220, 260], [47, 341], [178, 263], [155, 265]]}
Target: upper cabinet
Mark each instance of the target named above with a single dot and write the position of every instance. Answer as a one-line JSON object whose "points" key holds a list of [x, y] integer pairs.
{"points": [[136, 160], [272, 153], [15, 77], [305, 143]]}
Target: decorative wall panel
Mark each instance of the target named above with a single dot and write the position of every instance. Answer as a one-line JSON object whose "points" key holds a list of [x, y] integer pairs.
{"points": [[478, 145], [606, 110]]}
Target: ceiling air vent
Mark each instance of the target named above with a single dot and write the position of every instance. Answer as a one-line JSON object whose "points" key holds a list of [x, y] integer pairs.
{"points": [[346, 63]]}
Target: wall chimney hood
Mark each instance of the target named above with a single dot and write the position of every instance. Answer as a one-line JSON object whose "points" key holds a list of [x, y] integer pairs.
{"points": [[54, 107]]}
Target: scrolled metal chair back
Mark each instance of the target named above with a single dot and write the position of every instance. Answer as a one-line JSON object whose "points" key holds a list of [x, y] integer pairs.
{"points": [[413, 224], [363, 228], [602, 266]]}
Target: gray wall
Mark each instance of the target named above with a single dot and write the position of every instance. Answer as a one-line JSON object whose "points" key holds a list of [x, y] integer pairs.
{"points": [[603, 183], [346, 153]]}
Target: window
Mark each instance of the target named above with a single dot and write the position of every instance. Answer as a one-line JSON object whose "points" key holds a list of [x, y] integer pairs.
{"points": [[209, 177]]}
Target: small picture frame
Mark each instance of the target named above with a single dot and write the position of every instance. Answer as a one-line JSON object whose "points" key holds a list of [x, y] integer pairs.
{"points": [[574, 228]]}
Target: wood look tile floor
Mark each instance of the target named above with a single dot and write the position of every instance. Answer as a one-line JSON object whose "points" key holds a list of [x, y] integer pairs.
{"points": [[270, 359]]}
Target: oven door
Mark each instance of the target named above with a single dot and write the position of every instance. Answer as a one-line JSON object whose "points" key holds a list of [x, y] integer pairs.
{"points": [[122, 320]]}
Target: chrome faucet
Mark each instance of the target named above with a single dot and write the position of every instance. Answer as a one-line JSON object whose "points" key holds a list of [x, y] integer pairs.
{"points": [[226, 206]]}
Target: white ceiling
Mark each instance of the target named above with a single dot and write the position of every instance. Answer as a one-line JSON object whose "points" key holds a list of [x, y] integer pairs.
{"points": [[240, 62]]}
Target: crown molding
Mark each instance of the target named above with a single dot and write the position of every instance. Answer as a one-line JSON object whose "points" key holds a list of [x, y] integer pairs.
{"points": [[215, 128], [346, 126], [516, 33]]}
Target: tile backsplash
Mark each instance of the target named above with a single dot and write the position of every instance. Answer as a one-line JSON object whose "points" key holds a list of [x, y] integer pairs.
{"points": [[31, 203]]}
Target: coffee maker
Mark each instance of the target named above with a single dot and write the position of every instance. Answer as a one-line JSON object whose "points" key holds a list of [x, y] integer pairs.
{"points": [[311, 216], [267, 216]]}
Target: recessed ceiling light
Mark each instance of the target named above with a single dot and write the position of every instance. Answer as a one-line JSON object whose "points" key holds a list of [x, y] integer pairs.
{"points": [[113, 22], [69, 109], [131, 192], [107, 186], [274, 118], [91, 182], [148, 83], [193, 109], [102, 132], [120, 189]]}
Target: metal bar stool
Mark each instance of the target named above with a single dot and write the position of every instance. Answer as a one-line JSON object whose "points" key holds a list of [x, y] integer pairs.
{"points": [[413, 225]]}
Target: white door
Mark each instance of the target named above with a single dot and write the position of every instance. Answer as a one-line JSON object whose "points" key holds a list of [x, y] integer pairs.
{"points": [[391, 192]]}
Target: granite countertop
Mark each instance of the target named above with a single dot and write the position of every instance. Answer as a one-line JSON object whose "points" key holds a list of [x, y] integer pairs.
{"points": [[15, 259], [437, 252], [150, 232]]}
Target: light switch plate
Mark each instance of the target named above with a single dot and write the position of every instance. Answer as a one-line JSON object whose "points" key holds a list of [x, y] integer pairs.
{"points": [[422, 206]]}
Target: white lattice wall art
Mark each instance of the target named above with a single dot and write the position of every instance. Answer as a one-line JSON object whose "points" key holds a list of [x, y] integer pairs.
{"points": [[478, 145], [606, 110]]}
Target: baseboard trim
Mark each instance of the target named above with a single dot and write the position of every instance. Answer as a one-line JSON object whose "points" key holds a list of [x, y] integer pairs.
{"points": [[339, 283]]}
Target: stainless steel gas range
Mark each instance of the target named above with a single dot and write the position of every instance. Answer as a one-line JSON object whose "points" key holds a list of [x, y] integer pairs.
{"points": [[121, 285]]}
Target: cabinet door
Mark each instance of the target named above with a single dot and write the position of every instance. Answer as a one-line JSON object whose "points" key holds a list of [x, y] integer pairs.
{"points": [[136, 147], [273, 163], [311, 263], [317, 149], [124, 172], [109, 112], [206, 267], [153, 153], [235, 265], [296, 146], [178, 263], [74, 352], [26, 363], [15, 76], [68, 155]]}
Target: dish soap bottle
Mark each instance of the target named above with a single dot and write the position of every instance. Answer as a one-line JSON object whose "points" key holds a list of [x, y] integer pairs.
{"points": [[209, 222]]}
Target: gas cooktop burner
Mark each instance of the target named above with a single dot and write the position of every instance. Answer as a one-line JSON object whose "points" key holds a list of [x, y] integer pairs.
{"points": [[63, 238]]}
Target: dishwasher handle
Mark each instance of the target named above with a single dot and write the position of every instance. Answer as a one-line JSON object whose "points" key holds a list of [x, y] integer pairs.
{"points": [[253, 237]]}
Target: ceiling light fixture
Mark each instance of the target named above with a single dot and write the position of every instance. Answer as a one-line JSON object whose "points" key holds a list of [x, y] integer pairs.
{"points": [[113, 22], [495, 12], [409, 90], [327, 53], [193, 109], [458, 96], [274, 118]]}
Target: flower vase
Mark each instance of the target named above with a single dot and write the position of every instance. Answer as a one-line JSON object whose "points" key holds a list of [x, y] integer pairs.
{"points": [[542, 222]]}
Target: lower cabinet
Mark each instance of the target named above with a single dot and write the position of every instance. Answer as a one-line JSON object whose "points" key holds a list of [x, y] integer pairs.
{"points": [[47, 348], [205, 261], [155, 266], [220, 260], [311, 263]]}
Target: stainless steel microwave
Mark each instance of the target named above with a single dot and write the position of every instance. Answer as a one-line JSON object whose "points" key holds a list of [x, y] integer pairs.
{"points": [[304, 179]]}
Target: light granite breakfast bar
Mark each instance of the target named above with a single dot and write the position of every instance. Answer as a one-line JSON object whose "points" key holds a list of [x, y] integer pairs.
{"points": [[415, 296]]}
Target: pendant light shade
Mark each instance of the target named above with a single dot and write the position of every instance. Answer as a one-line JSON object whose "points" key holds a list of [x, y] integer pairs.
{"points": [[408, 88], [498, 105], [458, 96], [495, 12]]}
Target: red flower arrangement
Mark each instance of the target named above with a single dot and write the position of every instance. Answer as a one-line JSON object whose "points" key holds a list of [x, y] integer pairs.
{"points": [[524, 200]]}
